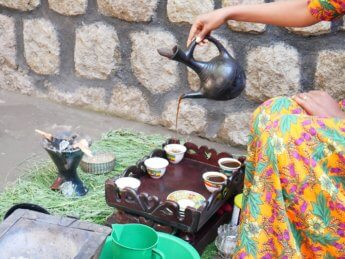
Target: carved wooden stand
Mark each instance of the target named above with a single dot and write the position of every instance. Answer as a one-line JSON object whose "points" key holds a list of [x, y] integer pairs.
{"points": [[149, 206]]}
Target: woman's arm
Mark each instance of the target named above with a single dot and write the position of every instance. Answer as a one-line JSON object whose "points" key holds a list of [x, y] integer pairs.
{"points": [[293, 13]]}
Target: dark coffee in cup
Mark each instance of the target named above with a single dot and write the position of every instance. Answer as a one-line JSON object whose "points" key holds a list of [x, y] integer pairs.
{"points": [[231, 164], [216, 179]]}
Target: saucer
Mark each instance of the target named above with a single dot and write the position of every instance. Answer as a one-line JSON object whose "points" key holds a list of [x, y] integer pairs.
{"points": [[184, 203], [197, 200]]}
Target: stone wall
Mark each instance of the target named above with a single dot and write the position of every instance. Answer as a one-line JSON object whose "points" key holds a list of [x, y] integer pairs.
{"points": [[101, 55]]}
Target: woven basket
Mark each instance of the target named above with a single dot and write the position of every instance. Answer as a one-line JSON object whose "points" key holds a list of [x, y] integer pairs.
{"points": [[98, 164]]}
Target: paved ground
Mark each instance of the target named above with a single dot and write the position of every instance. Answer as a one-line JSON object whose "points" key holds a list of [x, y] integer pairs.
{"points": [[21, 115]]}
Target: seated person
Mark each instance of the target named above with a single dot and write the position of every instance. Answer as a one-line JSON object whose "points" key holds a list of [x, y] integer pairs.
{"points": [[294, 193], [294, 203]]}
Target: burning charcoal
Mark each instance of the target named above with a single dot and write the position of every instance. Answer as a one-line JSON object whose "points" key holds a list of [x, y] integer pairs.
{"points": [[63, 145], [61, 141], [51, 141], [72, 139], [66, 135]]}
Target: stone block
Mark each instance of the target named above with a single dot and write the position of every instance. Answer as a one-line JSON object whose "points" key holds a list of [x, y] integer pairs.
{"points": [[235, 129], [16, 80], [68, 7], [7, 40], [41, 46], [255, 28], [22, 5], [97, 51], [128, 10], [272, 71], [206, 53], [187, 10], [314, 30], [156, 73], [192, 117], [85, 97], [329, 75], [130, 103]]}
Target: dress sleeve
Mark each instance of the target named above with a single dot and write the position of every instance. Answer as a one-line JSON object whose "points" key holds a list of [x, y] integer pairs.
{"points": [[326, 10]]}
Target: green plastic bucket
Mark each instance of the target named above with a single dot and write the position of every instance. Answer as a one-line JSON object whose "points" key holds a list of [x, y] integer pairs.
{"points": [[169, 246]]}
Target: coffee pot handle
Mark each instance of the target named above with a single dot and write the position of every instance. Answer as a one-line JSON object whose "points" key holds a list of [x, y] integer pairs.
{"points": [[220, 47]]}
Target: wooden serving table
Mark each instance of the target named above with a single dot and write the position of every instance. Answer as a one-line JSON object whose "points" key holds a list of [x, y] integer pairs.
{"points": [[148, 205]]}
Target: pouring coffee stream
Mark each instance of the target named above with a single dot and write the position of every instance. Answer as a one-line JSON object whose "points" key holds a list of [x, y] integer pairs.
{"points": [[221, 78], [178, 111]]}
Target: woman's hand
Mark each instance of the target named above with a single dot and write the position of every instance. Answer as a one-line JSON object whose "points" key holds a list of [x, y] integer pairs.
{"points": [[293, 13], [206, 23], [319, 103]]}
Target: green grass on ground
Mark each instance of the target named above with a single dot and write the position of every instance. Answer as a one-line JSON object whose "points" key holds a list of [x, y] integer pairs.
{"points": [[34, 186]]}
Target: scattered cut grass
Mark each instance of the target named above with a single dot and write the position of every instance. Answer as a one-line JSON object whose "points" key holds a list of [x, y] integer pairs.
{"points": [[34, 186]]}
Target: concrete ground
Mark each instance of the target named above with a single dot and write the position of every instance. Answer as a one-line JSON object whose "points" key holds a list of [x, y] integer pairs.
{"points": [[20, 115]]}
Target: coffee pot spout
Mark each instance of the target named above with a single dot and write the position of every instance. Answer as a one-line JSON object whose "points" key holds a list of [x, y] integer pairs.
{"points": [[185, 57], [193, 95]]}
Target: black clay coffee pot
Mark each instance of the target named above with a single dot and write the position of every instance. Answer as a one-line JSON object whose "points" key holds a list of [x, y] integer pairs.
{"points": [[222, 78]]}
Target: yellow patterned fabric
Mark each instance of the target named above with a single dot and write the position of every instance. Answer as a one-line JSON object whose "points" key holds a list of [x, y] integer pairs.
{"points": [[326, 10], [294, 191]]}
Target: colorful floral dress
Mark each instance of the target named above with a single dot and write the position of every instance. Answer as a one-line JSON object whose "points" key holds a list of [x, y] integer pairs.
{"points": [[294, 193], [294, 189], [326, 10]]}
